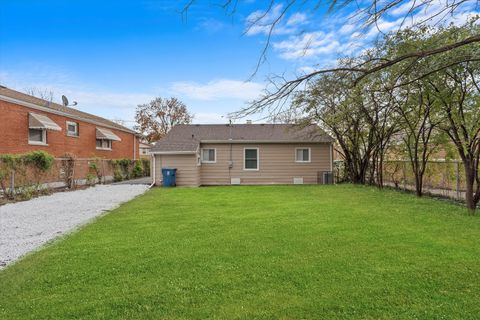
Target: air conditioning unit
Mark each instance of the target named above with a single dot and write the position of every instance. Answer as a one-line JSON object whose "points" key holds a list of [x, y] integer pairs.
{"points": [[327, 177]]}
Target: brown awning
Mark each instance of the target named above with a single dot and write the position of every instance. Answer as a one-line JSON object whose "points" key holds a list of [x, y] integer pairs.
{"points": [[107, 135], [40, 121]]}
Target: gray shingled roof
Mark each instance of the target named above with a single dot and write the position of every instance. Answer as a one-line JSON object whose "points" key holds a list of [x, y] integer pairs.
{"points": [[187, 138], [74, 113]]}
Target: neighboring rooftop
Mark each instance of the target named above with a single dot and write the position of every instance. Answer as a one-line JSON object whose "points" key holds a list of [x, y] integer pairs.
{"points": [[69, 112], [187, 138]]}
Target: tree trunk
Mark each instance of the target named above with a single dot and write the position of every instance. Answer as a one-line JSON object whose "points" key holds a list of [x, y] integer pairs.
{"points": [[380, 173], [418, 184], [469, 182]]}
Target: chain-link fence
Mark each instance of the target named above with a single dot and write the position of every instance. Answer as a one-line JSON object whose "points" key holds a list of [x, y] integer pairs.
{"points": [[441, 178], [70, 172]]}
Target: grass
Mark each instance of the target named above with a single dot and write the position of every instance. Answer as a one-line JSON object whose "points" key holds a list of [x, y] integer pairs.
{"points": [[267, 252]]}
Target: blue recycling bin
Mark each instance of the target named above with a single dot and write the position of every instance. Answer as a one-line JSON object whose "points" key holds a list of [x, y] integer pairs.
{"points": [[169, 177]]}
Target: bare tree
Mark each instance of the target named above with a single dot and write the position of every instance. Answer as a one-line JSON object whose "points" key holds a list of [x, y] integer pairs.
{"points": [[45, 94], [156, 118]]}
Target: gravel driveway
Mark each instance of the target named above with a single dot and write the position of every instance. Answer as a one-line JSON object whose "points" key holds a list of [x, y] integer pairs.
{"points": [[25, 226]]}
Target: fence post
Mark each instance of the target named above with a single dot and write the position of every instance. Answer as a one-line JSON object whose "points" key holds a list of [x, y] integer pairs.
{"points": [[404, 175], [103, 171], [457, 173], [12, 182]]}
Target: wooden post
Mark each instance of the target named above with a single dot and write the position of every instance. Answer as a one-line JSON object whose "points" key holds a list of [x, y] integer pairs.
{"points": [[404, 175], [12, 182]]}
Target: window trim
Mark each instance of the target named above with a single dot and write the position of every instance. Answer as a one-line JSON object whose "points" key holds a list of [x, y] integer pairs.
{"points": [[214, 155], [258, 159], [309, 154], [76, 125], [101, 148], [38, 143]]}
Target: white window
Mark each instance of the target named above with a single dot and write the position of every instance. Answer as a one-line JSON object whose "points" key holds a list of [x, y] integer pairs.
{"points": [[302, 155], [37, 136], [250, 159], [209, 155], [72, 129], [104, 144]]}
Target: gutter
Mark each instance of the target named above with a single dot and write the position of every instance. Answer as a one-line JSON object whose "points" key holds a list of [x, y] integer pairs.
{"points": [[261, 141], [173, 152]]}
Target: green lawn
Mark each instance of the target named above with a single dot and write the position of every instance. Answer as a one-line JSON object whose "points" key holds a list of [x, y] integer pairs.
{"points": [[267, 252]]}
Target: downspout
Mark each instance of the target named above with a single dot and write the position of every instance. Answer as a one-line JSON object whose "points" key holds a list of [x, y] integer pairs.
{"points": [[134, 147], [331, 157], [230, 163], [152, 157]]}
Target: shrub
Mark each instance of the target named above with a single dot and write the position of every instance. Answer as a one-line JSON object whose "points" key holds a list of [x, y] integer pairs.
{"points": [[138, 169], [95, 170], [124, 169], [91, 179], [146, 167], [15, 166], [39, 160], [117, 175]]}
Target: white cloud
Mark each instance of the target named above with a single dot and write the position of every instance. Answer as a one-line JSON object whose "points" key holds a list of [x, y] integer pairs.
{"points": [[307, 45], [210, 102], [84, 95], [209, 118], [346, 28], [343, 34], [260, 22], [296, 19], [306, 70], [218, 89], [104, 103], [404, 8]]}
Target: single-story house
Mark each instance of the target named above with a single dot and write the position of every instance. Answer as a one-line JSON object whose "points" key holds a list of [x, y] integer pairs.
{"points": [[244, 154], [28, 123]]}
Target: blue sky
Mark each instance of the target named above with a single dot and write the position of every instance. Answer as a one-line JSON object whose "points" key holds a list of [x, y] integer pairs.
{"points": [[112, 55]]}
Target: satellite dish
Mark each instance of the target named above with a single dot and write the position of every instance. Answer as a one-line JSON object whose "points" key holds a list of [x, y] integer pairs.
{"points": [[65, 101]]}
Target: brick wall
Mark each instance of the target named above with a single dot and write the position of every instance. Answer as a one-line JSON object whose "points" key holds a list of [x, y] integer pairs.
{"points": [[14, 136]]}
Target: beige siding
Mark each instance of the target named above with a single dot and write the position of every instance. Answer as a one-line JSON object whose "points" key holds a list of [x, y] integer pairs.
{"points": [[277, 164], [188, 172]]}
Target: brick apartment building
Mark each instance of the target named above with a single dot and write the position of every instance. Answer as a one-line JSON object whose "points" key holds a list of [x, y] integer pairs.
{"points": [[28, 123]]}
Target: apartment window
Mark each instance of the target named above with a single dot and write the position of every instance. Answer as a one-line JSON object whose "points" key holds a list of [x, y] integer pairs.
{"points": [[37, 136], [72, 129], [104, 144], [209, 155], [250, 157], [302, 155]]}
